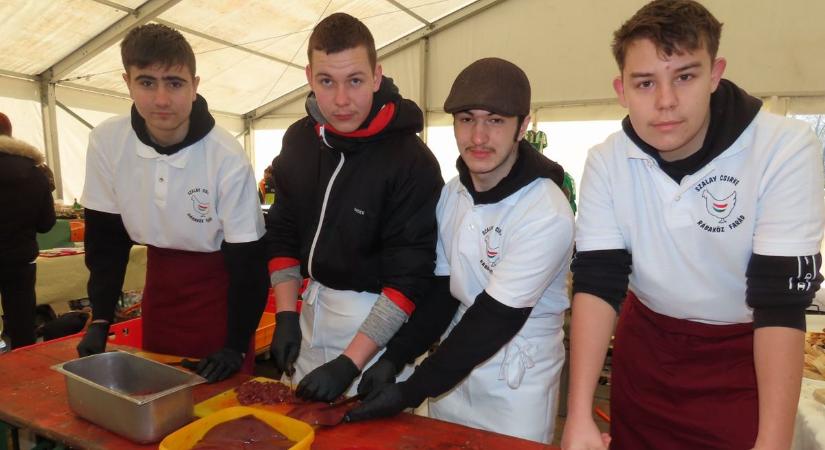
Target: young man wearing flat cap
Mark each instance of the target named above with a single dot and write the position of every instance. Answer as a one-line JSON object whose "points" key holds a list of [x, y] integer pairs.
{"points": [[505, 239]]}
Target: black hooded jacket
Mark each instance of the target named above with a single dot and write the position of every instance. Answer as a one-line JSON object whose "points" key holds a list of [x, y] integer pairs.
{"points": [[25, 199], [371, 192]]}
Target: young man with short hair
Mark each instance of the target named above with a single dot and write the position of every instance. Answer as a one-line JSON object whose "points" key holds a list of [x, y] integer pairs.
{"points": [[717, 207], [505, 241], [167, 177], [355, 213]]}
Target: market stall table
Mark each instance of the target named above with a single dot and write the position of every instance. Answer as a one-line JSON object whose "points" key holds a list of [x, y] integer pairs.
{"points": [[809, 428], [33, 396], [64, 278]]}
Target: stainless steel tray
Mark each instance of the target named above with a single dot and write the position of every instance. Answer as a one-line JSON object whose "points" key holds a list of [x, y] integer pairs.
{"points": [[140, 399]]}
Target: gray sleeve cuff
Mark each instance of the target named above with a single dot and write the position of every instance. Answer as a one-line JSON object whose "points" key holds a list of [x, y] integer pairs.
{"points": [[383, 321], [289, 273]]}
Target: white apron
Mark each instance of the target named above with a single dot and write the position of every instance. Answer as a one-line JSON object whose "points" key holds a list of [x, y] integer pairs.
{"points": [[329, 320], [516, 391]]}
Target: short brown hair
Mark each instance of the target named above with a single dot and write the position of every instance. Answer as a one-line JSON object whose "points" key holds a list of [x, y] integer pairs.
{"points": [[339, 32], [156, 44], [674, 26]]}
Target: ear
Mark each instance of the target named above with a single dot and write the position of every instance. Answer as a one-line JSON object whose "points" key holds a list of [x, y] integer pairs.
{"points": [[618, 86], [308, 71], [716, 71], [195, 82], [377, 76], [128, 83], [523, 128]]}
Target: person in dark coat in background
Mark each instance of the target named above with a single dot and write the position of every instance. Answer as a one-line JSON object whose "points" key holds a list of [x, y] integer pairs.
{"points": [[28, 208]]}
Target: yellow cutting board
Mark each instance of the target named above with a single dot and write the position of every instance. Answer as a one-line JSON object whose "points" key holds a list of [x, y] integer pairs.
{"points": [[229, 398]]}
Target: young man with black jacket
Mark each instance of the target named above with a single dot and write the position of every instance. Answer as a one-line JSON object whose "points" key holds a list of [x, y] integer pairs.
{"points": [[355, 213], [505, 241], [717, 208], [167, 177]]}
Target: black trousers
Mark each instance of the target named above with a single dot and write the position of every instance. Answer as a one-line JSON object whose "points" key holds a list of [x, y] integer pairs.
{"points": [[17, 295]]}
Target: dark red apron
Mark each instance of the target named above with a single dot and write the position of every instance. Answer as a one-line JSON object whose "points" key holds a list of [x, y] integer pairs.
{"points": [[678, 384], [184, 306]]}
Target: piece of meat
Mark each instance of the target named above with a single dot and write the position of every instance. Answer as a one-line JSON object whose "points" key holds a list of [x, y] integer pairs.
{"points": [[266, 393], [244, 433], [320, 413]]}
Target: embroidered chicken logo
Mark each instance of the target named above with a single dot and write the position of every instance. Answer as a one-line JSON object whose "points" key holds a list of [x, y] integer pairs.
{"points": [[200, 203], [720, 209]]}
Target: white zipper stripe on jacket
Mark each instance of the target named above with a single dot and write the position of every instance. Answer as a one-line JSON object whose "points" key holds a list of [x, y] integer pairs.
{"points": [[323, 206]]}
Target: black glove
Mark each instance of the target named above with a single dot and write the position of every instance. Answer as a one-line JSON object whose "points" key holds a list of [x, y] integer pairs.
{"points": [[217, 366], [328, 381], [94, 341], [379, 374], [286, 342], [386, 401]]}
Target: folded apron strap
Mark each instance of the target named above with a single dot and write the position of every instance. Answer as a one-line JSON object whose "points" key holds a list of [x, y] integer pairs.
{"points": [[520, 353], [679, 384], [514, 392], [184, 305]]}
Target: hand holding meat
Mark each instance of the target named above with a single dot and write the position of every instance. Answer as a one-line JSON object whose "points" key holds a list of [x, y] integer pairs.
{"points": [[378, 375], [328, 381], [286, 342], [386, 401]]}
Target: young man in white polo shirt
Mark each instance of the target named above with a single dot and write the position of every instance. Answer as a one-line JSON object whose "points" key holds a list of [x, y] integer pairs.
{"points": [[717, 207], [167, 177], [505, 241]]}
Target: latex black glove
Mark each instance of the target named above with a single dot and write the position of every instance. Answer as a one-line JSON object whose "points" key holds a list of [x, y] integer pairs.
{"points": [[94, 341], [286, 342], [386, 401], [381, 373], [217, 366], [328, 381]]}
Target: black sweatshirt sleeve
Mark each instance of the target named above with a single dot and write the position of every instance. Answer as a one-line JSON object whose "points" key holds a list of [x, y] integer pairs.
{"points": [[432, 315], [409, 231], [46, 218], [483, 330], [107, 253], [248, 286], [603, 273], [780, 288]]}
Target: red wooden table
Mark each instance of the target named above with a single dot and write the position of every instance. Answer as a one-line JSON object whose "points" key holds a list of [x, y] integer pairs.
{"points": [[33, 396]]}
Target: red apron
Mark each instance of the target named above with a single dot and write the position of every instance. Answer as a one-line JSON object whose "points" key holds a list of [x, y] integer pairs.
{"points": [[184, 306], [678, 384]]}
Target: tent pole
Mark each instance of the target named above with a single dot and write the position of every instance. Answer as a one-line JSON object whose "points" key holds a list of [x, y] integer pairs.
{"points": [[249, 139], [424, 62], [49, 114]]}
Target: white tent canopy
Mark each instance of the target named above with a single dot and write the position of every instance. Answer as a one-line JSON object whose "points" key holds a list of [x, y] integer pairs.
{"points": [[61, 70]]}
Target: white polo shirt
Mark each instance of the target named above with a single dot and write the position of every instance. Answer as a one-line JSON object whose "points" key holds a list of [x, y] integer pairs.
{"points": [[191, 200], [518, 249], [691, 242]]}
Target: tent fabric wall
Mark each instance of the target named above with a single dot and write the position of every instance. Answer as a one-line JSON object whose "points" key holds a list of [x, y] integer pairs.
{"points": [[563, 45], [20, 101]]}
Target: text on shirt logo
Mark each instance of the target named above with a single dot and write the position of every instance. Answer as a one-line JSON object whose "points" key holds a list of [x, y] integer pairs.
{"points": [[492, 244], [719, 205], [360, 212], [200, 205], [806, 271]]}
